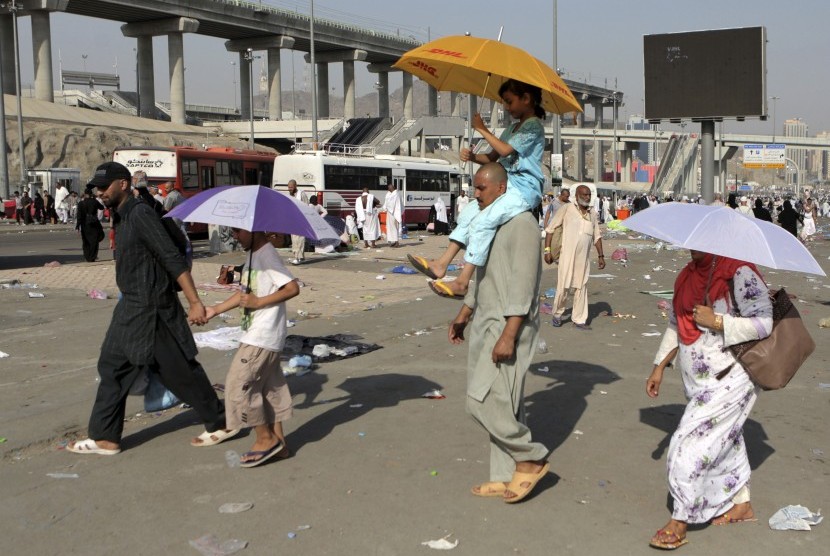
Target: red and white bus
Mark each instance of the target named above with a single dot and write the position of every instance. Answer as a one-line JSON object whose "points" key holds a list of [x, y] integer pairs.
{"points": [[338, 178], [193, 170]]}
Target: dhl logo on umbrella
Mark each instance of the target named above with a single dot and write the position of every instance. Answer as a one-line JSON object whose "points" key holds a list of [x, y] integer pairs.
{"points": [[444, 52], [420, 64]]}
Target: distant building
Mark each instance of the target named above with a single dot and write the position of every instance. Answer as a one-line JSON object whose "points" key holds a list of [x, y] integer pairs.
{"points": [[823, 157], [645, 153], [796, 127]]}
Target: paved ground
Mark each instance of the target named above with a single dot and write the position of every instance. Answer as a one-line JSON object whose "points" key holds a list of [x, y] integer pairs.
{"points": [[377, 468]]}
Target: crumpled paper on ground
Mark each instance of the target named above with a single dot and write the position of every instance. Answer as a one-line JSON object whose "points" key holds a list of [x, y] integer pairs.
{"points": [[209, 545], [440, 544], [224, 339], [794, 518]]}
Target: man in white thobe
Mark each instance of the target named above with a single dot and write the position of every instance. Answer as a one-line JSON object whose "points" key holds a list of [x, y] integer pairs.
{"points": [[580, 230], [392, 208], [297, 242], [367, 215], [744, 207], [61, 193], [461, 203]]}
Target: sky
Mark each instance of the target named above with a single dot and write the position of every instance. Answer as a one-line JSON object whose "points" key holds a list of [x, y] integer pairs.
{"points": [[599, 41]]}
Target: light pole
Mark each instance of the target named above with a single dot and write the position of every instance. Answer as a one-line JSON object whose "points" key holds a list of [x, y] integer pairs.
{"points": [[4, 157], [378, 88], [84, 57], [13, 7], [137, 86], [774, 102], [315, 136], [249, 57], [233, 78], [293, 89]]}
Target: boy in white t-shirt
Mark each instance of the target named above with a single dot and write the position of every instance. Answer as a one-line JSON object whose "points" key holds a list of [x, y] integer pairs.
{"points": [[256, 394]]}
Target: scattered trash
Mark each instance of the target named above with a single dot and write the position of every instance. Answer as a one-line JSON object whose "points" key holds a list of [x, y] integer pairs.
{"points": [[543, 369], [361, 434], [302, 313], [794, 518], [292, 535], [380, 277], [235, 507], [542, 346], [606, 276], [321, 350], [646, 276], [824, 323], [225, 338], [657, 268], [603, 392], [546, 309], [620, 254], [367, 297], [373, 307], [663, 305], [63, 475], [422, 332], [434, 395], [824, 385], [433, 473], [403, 269], [453, 267], [550, 293], [303, 527], [209, 545], [652, 334], [52, 264], [817, 452], [662, 294], [95, 293], [624, 316], [232, 458], [290, 323], [36, 295], [441, 544], [3, 354], [356, 405], [578, 432]]}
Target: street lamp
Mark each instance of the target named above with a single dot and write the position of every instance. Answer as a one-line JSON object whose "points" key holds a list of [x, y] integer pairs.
{"points": [[378, 87], [613, 100], [84, 57], [249, 57], [233, 78], [13, 7], [774, 102]]}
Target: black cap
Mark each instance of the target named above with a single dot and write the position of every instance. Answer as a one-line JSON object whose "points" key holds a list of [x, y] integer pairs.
{"points": [[108, 172]]}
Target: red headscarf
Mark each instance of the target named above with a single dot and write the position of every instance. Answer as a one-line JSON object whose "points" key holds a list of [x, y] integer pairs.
{"points": [[690, 290]]}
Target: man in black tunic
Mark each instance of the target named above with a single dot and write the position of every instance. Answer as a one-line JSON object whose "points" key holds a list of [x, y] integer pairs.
{"points": [[149, 329], [88, 225]]}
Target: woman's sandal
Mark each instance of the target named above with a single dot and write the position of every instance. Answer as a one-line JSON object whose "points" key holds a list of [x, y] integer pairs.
{"points": [[489, 490], [667, 540], [724, 519]]}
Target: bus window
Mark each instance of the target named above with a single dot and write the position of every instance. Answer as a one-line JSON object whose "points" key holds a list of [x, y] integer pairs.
{"points": [[266, 174], [229, 172], [190, 174], [251, 176], [208, 180], [236, 171]]}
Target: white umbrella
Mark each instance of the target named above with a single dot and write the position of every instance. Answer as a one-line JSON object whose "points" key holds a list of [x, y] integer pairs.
{"points": [[726, 232]]}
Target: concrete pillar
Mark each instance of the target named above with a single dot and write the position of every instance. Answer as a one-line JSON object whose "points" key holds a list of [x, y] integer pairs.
{"points": [[383, 94], [323, 90], [244, 87], [579, 147], [274, 84], [432, 101], [626, 163], [455, 106], [348, 90], [146, 82], [42, 45], [175, 57], [7, 45], [598, 167], [408, 108]]}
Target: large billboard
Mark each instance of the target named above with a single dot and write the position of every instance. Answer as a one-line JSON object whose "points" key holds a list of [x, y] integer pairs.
{"points": [[705, 74]]}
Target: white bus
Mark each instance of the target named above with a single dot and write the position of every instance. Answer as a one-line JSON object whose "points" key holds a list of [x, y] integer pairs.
{"points": [[338, 178]]}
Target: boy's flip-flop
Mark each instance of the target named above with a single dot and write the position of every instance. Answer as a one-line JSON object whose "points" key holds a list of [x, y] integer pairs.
{"points": [[262, 455], [214, 438], [441, 288], [89, 446], [421, 265], [528, 479]]}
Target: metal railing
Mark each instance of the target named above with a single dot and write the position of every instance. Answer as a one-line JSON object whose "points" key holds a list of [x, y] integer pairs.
{"points": [[261, 8], [336, 148]]}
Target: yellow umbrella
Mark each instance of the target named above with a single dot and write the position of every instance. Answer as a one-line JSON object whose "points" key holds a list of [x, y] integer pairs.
{"points": [[479, 66]]}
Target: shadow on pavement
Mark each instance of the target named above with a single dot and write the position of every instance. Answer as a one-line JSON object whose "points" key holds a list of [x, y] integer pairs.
{"points": [[371, 392]]}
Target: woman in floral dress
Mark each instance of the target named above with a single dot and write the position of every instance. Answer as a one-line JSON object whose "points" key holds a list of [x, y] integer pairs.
{"points": [[708, 468]]}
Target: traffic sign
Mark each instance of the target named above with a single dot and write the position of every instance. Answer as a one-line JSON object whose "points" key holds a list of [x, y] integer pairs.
{"points": [[765, 156]]}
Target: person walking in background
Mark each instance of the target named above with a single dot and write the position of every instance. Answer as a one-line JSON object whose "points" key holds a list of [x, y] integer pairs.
{"points": [[88, 226], [441, 225], [18, 207], [149, 332], [39, 209], [297, 242], [27, 207], [744, 208], [72, 203], [366, 209], [809, 220], [578, 228], [760, 212], [61, 205], [707, 463], [558, 202], [256, 393], [789, 218], [49, 211], [502, 310], [461, 203], [392, 208]]}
